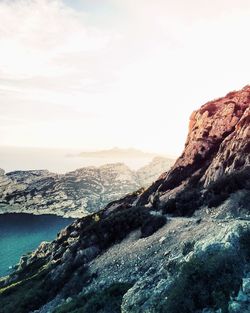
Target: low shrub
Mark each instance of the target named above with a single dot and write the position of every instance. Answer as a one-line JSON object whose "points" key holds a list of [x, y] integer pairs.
{"points": [[245, 200], [108, 300], [244, 241], [214, 200], [185, 203], [25, 296], [188, 246], [33, 292], [152, 224], [191, 198], [116, 226], [204, 282], [220, 190]]}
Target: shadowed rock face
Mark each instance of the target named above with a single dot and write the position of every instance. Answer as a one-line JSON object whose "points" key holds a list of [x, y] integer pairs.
{"points": [[217, 143]]}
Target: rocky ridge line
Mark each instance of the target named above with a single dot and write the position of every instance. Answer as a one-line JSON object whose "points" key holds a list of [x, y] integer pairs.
{"points": [[76, 193]]}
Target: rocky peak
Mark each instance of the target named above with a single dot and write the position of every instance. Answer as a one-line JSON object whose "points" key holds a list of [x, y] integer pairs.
{"points": [[217, 143]]}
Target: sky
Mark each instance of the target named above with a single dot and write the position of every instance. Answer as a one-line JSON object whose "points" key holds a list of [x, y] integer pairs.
{"points": [[93, 74]]}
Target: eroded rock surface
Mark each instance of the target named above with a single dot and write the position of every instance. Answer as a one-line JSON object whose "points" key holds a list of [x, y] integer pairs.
{"points": [[76, 193], [218, 143]]}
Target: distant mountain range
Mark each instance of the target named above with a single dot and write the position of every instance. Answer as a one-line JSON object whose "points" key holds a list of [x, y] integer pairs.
{"points": [[75, 193]]}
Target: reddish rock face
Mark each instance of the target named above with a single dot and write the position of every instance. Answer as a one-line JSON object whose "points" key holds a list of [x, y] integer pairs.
{"points": [[217, 143]]}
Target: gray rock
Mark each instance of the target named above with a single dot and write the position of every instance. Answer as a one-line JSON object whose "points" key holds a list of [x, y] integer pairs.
{"points": [[237, 307], [242, 297], [246, 286], [87, 254], [76, 193]]}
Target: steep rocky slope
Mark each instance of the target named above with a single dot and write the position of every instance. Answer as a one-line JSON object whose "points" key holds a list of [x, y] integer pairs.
{"points": [[217, 144], [181, 246], [76, 193]]}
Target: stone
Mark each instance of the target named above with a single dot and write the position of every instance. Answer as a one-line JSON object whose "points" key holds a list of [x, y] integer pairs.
{"points": [[74, 234], [68, 300], [242, 297], [246, 285], [237, 307], [23, 262], [162, 239], [87, 254], [67, 256]]}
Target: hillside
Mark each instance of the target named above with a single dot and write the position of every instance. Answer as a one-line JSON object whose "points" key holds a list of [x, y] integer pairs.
{"points": [[181, 246], [77, 193]]}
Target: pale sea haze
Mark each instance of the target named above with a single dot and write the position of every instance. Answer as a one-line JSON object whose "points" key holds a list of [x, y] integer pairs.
{"points": [[57, 160]]}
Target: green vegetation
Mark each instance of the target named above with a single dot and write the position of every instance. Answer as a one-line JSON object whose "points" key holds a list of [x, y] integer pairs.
{"points": [[152, 224], [31, 293], [204, 282], [116, 226], [25, 295], [191, 198], [245, 200], [108, 300], [220, 190], [185, 203], [188, 246], [244, 241]]}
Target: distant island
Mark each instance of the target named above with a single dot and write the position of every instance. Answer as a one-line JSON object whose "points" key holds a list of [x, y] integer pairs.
{"points": [[63, 160], [119, 153]]}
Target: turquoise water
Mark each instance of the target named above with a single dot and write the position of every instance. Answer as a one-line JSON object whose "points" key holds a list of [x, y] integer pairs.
{"points": [[21, 233]]}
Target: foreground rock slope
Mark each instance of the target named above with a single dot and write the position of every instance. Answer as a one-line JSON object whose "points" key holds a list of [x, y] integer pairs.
{"points": [[76, 193], [181, 246]]}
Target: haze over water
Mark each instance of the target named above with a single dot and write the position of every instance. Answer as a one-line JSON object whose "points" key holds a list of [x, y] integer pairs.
{"points": [[58, 160]]}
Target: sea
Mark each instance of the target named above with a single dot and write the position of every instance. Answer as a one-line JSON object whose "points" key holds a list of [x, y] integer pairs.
{"points": [[21, 233]]}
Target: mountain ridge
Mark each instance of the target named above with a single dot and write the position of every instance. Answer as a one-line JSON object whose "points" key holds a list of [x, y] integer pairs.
{"points": [[76, 193]]}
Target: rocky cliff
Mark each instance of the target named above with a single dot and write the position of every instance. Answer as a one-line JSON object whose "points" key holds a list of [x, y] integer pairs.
{"points": [[181, 246], [74, 194], [217, 144]]}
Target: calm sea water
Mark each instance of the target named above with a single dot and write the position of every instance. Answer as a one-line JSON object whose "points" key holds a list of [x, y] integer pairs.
{"points": [[21, 233]]}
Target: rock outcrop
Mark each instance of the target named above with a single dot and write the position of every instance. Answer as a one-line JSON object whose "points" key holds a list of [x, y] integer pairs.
{"points": [[76, 193], [143, 253], [217, 144]]}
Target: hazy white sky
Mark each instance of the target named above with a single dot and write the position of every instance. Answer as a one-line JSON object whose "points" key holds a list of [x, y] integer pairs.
{"points": [[94, 74]]}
